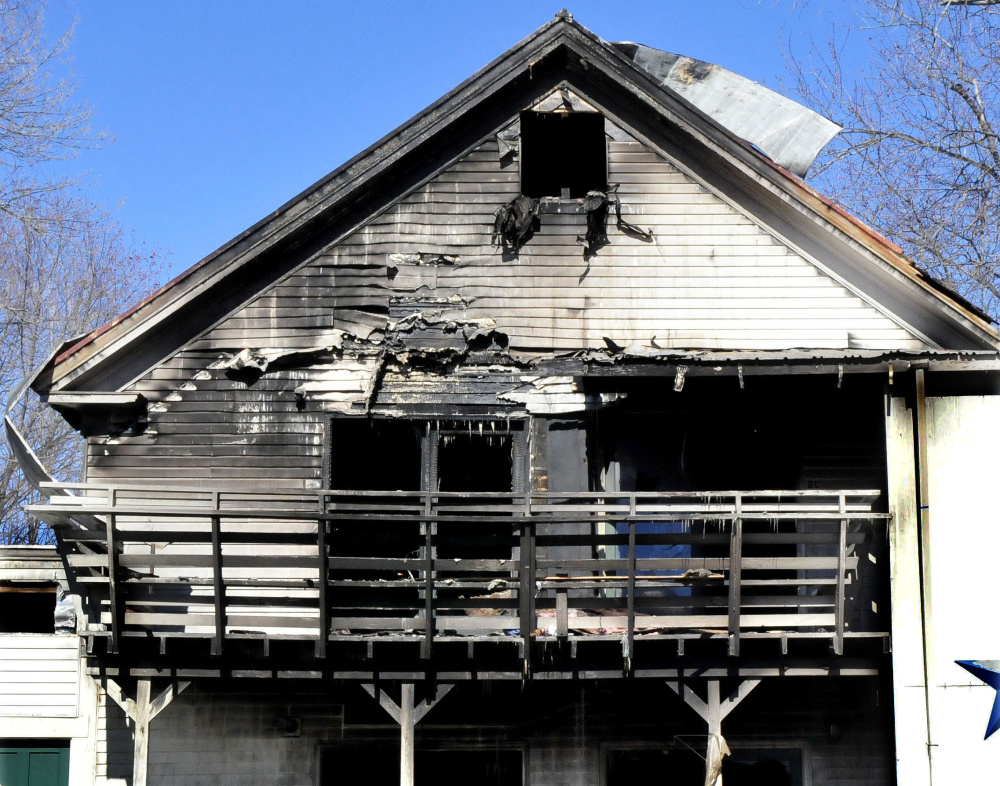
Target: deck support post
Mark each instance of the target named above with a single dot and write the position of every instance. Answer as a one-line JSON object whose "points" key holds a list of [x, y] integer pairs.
{"points": [[713, 710], [141, 710], [406, 741], [407, 713], [140, 760]]}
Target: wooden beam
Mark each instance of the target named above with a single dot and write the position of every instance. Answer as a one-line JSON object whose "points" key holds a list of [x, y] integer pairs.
{"points": [[908, 677], [734, 698], [429, 703], [714, 708], [384, 700], [82, 399], [406, 735], [114, 601], [407, 714], [114, 692], [141, 719], [924, 544], [838, 609], [735, 579], [218, 587], [166, 697], [692, 699], [324, 579], [713, 711]]}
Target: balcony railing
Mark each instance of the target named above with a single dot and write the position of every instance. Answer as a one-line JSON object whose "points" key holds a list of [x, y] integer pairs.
{"points": [[434, 566]]}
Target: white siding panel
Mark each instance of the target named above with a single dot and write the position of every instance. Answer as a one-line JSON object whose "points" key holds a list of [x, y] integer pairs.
{"points": [[712, 278], [39, 675]]}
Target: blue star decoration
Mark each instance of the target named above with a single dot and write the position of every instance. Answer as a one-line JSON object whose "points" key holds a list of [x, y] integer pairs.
{"points": [[989, 672]]}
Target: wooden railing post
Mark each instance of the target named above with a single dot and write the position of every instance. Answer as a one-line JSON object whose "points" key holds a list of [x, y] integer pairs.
{"points": [[217, 586], [427, 530], [735, 577], [114, 601], [630, 588], [838, 611], [324, 578], [526, 589]]}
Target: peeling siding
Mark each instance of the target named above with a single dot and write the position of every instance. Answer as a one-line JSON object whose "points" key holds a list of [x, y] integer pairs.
{"points": [[424, 278], [711, 279]]}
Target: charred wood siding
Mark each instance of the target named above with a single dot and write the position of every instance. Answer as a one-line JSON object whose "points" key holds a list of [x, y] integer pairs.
{"points": [[205, 429], [712, 277], [425, 272]]}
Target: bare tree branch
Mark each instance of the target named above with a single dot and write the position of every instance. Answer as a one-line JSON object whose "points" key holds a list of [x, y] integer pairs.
{"points": [[65, 266], [919, 158]]}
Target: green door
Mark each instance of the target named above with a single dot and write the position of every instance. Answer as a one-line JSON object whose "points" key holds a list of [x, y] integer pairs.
{"points": [[34, 763]]}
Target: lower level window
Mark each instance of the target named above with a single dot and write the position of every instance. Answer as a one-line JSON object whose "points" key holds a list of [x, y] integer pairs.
{"points": [[34, 762]]}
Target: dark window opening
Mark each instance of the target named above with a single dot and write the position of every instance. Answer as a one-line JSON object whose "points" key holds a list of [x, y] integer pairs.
{"points": [[375, 455], [628, 767], [27, 608], [777, 767], [439, 767], [478, 463], [563, 150]]}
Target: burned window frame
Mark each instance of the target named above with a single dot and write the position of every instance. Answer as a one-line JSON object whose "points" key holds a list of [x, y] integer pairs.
{"points": [[533, 145], [431, 431]]}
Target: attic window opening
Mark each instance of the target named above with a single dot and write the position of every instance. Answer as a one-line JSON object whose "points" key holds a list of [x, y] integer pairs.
{"points": [[563, 151]]}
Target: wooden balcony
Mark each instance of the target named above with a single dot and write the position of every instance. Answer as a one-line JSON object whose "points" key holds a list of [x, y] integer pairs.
{"points": [[334, 568]]}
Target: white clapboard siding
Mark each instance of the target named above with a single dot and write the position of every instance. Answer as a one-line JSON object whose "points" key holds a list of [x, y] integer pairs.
{"points": [[712, 278], [39, 676]]}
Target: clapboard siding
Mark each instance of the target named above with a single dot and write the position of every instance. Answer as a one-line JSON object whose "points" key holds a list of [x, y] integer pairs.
{"points": [[39, 676], [712, 279]]}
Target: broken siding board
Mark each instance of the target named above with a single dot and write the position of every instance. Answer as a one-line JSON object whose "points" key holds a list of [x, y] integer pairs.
{"points": [[712, 279]]}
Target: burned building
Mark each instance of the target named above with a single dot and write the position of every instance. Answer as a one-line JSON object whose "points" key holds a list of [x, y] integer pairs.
{"points": [[565, 435]]}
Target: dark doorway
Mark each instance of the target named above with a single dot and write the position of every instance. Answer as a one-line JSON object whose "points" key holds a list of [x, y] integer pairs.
{"points": [[473, 460]]}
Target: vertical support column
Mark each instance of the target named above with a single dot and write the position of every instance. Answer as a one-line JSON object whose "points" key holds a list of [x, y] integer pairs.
{"points": [[908, 675], [526, 590], [630, 587], [735, 577], [838, 609], [324, 578], [218, 587], [141, 719], [407, 714], [713, 710], [113, 600], [924, 513], [406, 739], [427, 530], [924, 527], [714, 703]]}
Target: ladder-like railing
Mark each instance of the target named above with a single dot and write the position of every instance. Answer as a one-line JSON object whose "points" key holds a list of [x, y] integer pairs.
{"points": [[329, 565]]}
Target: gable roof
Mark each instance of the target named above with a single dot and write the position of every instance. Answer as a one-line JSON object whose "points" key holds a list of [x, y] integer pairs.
{"points": [[562, 50]]}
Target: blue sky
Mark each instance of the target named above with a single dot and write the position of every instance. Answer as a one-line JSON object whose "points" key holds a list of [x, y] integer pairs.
{"points": [[221, 111]]}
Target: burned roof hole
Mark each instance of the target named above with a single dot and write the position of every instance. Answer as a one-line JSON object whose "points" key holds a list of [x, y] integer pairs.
{"points": [[563, 152]]}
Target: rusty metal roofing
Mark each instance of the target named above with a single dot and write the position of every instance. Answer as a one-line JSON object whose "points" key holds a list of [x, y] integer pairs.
{"points": [[790, 134]]}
